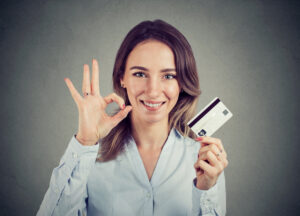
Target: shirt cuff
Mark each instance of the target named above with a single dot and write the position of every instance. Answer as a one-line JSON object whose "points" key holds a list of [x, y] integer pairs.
{"points": [[80, 149], [76, 151], [202, 193], [202, 199]]}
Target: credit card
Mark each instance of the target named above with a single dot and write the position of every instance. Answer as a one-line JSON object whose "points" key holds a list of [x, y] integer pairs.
{"points": [[210, 118]]}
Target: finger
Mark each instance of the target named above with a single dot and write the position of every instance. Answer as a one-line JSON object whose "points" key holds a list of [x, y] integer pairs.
{"points": [[210, 157], [95, 79], [207, 168], [121, 115], [212, 147], [225, 162], [199, 139], [220, 156], [116, 98], [86, 86], [75, 95], [211, 140], [198, 169]]}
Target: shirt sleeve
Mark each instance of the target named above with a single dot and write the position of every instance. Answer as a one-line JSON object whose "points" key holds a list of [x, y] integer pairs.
{"points": [[210, 202], [67, 192]]}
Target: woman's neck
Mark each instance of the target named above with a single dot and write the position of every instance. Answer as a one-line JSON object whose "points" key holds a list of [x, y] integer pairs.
{"points": [[150, 136]]}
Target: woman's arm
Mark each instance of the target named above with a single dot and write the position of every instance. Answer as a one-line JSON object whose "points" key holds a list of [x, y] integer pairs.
{"points": [[67, 192], [210, 179], [212, 201]]}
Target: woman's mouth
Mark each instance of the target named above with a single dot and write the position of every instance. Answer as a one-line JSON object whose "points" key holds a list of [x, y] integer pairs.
{"points": [[152, 106]]}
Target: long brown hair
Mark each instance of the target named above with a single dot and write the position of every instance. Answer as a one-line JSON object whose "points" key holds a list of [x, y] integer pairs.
{"points": [[187, 77]]}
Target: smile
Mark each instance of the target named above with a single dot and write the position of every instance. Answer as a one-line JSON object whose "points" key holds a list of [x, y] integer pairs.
{"points": [[152, 106]]}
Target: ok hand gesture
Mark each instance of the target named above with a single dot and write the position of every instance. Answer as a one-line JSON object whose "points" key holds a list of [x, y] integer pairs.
{"points": [[94, 123]]}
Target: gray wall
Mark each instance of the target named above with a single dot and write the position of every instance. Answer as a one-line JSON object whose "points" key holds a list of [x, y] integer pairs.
{"points": [[247, 53]]}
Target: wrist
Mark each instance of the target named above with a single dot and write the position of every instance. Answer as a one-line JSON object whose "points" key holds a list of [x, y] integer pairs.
{"points": [[203, 185], [85, 142]]}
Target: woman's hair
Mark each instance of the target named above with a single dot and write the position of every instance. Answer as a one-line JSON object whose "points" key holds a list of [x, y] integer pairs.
{"points": [[186, 73]]}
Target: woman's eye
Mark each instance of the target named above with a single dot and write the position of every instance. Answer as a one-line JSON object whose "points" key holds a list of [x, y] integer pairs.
{"points": [[139, 74], [170, 76]]}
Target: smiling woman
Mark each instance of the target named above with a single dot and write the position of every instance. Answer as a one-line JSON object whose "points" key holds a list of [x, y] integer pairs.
{"points": [[154, 50], [143, 160]]}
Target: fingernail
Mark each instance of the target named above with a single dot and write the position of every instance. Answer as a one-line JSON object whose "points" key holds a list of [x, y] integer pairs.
{"points": [[123, 107], [199, 138]]}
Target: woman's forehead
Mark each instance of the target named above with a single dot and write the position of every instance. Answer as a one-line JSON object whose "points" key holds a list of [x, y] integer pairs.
{"points": [[151, 54]]}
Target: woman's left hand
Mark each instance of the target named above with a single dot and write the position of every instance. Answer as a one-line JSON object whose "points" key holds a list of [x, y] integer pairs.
{"points": [[212, 159]]}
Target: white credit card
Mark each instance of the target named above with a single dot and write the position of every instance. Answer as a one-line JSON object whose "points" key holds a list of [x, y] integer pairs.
{"points": [[210, 118]]}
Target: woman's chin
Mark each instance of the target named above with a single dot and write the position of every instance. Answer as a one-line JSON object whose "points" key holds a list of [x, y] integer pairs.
{"points": [[142, 116], [155, 119], [152, 119]]}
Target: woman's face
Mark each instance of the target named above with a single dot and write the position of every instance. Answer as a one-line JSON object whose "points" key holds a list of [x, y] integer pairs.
{"points": [[150, 81]]}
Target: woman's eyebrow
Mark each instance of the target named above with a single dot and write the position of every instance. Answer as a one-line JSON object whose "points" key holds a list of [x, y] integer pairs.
{"points": [[145, 69]]}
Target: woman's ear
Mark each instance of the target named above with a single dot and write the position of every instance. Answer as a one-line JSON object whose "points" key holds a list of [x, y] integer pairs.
{"points": [[122, 84]]}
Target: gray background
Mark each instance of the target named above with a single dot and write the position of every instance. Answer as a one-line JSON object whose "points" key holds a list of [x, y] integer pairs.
{"points": [[247, 54]]}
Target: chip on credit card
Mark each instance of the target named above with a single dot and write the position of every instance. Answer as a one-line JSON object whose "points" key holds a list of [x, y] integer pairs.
{"points": [[210, 118]]}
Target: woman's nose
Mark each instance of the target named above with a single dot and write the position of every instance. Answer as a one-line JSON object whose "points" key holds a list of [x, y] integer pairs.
{"points": [[153, 88]]}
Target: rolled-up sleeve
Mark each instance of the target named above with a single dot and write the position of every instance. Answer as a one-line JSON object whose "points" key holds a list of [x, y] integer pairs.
{"points": [[210, 202], [67, 192]]}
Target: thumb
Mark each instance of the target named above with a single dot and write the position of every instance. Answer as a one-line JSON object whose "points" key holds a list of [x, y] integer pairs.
{"points": [[121, 115]]}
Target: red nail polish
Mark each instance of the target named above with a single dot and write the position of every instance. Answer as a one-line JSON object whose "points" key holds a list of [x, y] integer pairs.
{"points": [[123, 107], [199, 138]]}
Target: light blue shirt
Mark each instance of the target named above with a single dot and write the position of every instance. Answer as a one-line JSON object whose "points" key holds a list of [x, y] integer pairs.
{"points": [[81, 186]]}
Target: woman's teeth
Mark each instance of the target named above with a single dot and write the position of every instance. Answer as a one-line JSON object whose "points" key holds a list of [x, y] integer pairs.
{"points": [[152, 105]]}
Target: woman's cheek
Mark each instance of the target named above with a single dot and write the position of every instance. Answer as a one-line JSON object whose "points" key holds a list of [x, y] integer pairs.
{"points": [[137, 88], [173, 91]]}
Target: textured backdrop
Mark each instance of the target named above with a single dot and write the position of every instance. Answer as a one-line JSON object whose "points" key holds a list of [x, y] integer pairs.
{"points": [[247, 54]]}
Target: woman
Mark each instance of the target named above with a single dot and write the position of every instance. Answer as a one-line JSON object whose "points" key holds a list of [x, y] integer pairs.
{"points": [[148, 162]]}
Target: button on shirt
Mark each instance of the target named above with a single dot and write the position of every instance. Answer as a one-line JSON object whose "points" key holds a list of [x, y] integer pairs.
{"points": [[82, 186]]}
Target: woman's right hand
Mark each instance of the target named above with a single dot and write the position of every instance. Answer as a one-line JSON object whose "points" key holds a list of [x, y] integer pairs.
{"points": [[94, 123]]}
